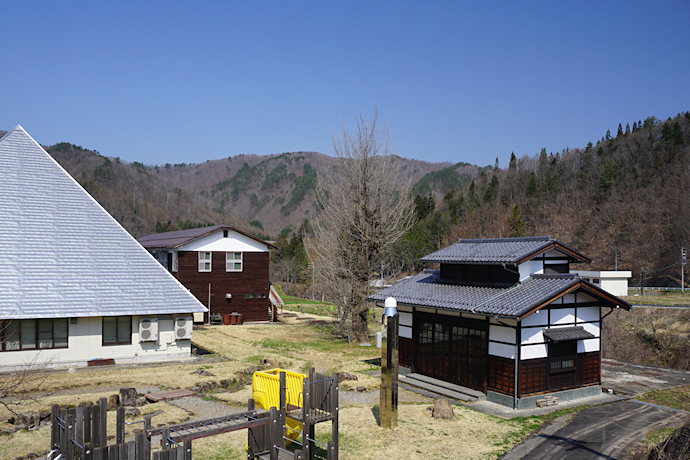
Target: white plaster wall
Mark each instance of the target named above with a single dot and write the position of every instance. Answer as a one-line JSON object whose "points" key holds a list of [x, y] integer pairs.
{"points": [[536, 319], [592, 328], [533, 351], [529, 267], [405, 332], [568, 298], [235, 242], [85, 344], [587, 345], [562, 315], [531, 335], [588, 314], [501, 334], [405, 319], [502, 350], [615, 287]]}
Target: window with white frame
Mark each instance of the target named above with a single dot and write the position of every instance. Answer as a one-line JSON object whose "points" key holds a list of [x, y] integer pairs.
{"points": [[204, 261], [174, 261], [233, 261]]}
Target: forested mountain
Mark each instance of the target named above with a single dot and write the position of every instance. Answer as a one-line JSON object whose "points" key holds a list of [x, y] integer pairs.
{"points": [[626, 195], [264, 195]]}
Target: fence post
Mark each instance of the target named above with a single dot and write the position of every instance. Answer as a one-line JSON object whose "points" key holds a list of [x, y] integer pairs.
{"points": [[187, 449], [102, 422], [69, 436], [140, 441], [281, 391], [99, 453], [96, 427], [131, 451], [87, 423], [147, 426], [79, 425], [88, 451], [120, 426], [335, 409], [165, 440], [276, 431], [54, 426]]}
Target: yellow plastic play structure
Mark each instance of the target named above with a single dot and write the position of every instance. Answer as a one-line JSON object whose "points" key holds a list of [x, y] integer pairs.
{"points": [[266, 394]]}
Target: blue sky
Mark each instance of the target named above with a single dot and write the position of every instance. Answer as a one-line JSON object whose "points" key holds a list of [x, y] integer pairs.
{"points": [[173, 82]]}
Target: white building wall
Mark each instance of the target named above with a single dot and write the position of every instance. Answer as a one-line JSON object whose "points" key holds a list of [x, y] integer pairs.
{"points": [[85, 344], [235, 242]]}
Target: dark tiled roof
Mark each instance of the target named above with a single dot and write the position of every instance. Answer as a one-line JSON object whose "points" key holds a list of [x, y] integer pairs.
{"points": [[496, 250], [426, 290], [180, 237], [567, 333]]}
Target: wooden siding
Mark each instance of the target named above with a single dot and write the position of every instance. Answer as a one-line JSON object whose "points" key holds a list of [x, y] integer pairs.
{"points": [[501, 378], [535, 376], [253, 279], [406, 352]]}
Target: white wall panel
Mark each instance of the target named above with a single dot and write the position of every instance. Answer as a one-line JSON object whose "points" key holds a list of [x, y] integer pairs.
{"points": [[587, 345], [592, 328], [404, 308], [569, 298], [502, 334], [235, 242], [503, 350], [536, 319], [533, 351], [587, 314], [562, 316], [531, 335], [405, 332], [529, 267], [405, 319]]}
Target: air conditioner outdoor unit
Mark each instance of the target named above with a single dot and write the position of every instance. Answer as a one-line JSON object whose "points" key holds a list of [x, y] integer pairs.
{"points": [[148, 329], [183, 327]]}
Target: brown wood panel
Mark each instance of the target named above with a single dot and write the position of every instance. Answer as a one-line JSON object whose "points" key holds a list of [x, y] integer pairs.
{"points": [[532, 377], [253, 279], [501, 378], [406, 350], [588, 368]]}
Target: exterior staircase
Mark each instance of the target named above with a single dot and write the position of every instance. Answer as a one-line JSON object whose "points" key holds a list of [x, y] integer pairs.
{"points": [[438, 388]]}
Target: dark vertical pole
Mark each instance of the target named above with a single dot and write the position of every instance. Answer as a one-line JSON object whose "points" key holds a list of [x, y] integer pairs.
{"points": [[187, 449], [120, 426], [642, 282], [335, 409], [103, 422], [131, 451], [251, 405], [276, 431], [388, 407], [140, 441], [69, 436], [281, 391], [54, 426], [147, 426], [79, 426], [96, 427], [306, 422], [88, 451], [87, 423], [165, 440]]}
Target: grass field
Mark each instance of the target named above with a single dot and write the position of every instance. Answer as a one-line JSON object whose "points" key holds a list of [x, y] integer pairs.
{"points": [[653, 297], [294, 345]]}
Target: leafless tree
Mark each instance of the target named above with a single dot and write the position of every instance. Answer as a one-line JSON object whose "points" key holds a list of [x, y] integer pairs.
{"points": [[365, 208]]}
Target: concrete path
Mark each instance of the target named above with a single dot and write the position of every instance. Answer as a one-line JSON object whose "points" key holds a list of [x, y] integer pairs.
{"points": [[635, 379], [609, 431]]}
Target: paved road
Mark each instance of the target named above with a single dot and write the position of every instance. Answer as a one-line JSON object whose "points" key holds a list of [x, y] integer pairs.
{"points": [[605, 432]]}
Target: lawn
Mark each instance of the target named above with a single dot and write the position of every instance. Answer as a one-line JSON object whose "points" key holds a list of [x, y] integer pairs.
{"points": [[651, 297], [294, 345]]}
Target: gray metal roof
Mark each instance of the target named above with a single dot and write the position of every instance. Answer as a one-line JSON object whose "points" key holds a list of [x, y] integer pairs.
{"points": [[427, 290], [179, 237], [498, 250], [63, 254], [563, 334]]}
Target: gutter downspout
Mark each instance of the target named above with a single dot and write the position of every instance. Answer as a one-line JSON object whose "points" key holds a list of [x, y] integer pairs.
{"points": [[517, 358]]}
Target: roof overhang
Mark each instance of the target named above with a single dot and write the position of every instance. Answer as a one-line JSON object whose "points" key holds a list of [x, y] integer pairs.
{"points": [[573, 255], [563, 334]]}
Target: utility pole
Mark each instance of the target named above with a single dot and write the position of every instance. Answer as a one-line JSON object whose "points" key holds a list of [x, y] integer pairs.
{"points": [[616, 262], [642, 282], [683, 261]]}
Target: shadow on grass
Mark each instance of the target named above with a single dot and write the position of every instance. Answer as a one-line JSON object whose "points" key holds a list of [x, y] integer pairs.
{"points": [[377, 414], [373, 361]]}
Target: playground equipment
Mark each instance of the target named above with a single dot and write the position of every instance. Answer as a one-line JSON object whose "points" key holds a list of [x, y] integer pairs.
{"points": [[266, 391], [80, 432]]}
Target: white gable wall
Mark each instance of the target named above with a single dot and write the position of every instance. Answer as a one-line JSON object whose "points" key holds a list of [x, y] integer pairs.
{"points": [[85, 344], [235, 242]]}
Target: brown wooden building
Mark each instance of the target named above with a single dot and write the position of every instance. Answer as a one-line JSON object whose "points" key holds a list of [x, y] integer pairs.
{"points": [[504, 314], [225, 268]]}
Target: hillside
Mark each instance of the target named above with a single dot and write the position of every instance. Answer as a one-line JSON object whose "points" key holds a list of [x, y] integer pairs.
{"points": [[261, 194], [626, 196]]}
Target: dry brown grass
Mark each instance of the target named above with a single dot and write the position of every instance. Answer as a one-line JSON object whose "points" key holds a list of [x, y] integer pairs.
{"points": [[296, 346]]}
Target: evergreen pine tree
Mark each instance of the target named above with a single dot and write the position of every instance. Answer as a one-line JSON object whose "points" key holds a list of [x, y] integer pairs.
{"points": [[620, 130], [516, 224], [627, 128], [513, 161]]}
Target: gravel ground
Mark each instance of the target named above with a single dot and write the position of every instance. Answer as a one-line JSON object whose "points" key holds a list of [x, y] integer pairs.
{"points": [[201, 409], [372, 397]]}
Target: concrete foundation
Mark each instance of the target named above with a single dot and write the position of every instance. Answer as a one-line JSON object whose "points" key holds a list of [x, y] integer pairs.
{"points": [[529, 402]]}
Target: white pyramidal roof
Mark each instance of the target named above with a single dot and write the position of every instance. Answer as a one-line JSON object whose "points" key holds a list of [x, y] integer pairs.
{"points": [[63, 255]]}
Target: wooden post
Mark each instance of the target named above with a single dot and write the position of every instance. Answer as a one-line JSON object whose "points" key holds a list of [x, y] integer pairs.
{"points": [[79, 425], [156, 455], [187, 450], [165, 439], [282, 405], [102, 422], [140, 441], [113, 452], [147, 426], [330, 451], [99, 453], [69, 436], [131, 451], [276, 431], [88, 451], [306, 423], [87, 423], [120, 426], [335, 409], [96, 427], [297, 455], [54, 426]]}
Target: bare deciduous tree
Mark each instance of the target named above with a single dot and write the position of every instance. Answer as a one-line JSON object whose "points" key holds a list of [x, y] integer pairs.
{"points": [[365, 208]]}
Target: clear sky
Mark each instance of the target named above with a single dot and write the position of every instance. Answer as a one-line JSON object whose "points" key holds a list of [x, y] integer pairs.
{"points": [[172, 82]]}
